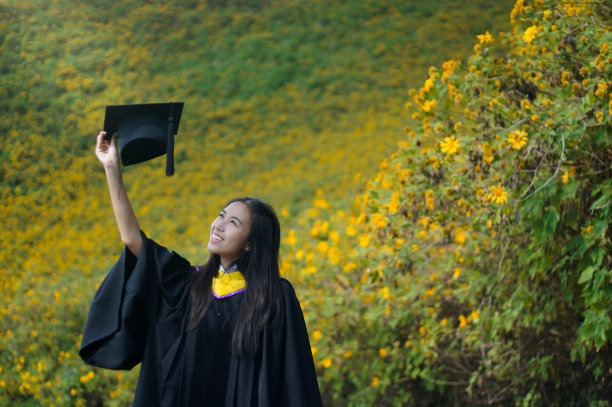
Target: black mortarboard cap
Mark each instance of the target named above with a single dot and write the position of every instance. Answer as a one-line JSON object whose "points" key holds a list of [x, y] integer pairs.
{"points": [[145, 131]]}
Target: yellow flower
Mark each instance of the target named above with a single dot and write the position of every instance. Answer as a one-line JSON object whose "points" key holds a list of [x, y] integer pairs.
{"points": [[351, 230], [428, 105], [348, 353], [394, 205], [385, 292], [497, 194], [317, 335], [526, 104], [326, 363], [291, 239], [601, 89], [322, 246], [517, 139], [375, 381], [364, 240], [529, 34], [457, 272], [429, 292], [87, 377], [382, 352], [429, 203], [450, 145], [379, 220], [566, 176], [460, 236], [485, 38]]}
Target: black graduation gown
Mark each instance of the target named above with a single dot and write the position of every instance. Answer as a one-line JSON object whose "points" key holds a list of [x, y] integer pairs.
{"points": [[139, 314]]}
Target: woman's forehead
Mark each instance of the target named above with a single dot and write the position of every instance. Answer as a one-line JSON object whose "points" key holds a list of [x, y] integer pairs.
{"points": [[239, 210]]}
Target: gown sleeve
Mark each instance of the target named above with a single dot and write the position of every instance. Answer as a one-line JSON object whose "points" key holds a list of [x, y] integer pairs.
{"points": [[133, 296]]}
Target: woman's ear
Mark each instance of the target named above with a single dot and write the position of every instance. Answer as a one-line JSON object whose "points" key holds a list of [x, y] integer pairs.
{"points": [[247, 247]]}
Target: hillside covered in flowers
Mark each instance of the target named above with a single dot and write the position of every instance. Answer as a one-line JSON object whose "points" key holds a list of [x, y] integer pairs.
{"points": [[449, 244]]}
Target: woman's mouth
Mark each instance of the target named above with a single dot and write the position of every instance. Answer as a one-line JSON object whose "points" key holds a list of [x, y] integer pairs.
{"points": [[215, 237]]}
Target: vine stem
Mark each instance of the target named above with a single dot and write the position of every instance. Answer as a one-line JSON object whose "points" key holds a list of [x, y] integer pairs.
{"points": [[553, 176]]}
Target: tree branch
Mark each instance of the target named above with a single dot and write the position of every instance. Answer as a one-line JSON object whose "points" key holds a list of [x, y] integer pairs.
{"points": [[553, 176]]}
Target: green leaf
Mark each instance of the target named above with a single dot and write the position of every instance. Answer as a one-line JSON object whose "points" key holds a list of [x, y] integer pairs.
{"points": [[600, 202], [597, 255], [569, 190], [545, 227], [551, 218], [586, 275]]}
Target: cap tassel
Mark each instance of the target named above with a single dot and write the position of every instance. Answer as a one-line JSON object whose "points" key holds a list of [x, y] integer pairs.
{"points": [[170, 151]]}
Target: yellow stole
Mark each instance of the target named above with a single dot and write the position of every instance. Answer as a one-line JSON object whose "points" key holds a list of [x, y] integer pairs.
{"points": [[226, 284]]}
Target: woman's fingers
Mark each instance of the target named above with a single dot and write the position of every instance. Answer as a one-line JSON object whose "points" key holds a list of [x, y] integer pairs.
{"points": [[112, 143], [100, 144], [103, 142], [100, 138]]}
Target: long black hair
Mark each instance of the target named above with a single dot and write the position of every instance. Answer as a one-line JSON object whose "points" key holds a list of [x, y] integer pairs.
{"points": [[259, 265]]}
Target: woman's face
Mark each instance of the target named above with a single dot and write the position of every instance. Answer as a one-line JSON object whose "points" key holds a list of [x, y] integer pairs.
{"points": [[229, 233]]}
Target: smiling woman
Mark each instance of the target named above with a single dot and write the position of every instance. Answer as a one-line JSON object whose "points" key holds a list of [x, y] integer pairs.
{"points": [[228, 333]]}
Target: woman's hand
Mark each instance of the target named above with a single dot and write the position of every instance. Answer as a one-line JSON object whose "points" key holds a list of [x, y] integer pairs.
{"points": [[106, 150]]}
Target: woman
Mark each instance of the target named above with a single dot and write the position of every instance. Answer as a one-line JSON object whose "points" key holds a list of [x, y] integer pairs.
{"points": [[229, 333]]}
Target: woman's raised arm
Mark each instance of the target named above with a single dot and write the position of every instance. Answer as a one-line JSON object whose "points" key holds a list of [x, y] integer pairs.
{"points": [[106, 151]]}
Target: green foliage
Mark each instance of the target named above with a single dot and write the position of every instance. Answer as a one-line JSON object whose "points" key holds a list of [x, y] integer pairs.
{"points": [[477, 268]]}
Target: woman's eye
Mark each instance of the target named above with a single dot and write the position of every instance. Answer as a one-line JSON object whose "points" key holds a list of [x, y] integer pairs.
{"points": [[233, 222]]}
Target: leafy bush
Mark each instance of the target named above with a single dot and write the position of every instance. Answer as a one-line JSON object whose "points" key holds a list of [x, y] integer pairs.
{"points": [[477, 269]]}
